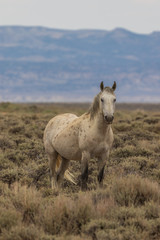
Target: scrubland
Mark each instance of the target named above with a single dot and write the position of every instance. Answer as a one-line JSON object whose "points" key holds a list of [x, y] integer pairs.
{"points": [[126, 208]]}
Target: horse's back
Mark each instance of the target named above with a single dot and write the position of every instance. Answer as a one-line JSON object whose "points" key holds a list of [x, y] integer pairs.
{"points": [[56, 125]]}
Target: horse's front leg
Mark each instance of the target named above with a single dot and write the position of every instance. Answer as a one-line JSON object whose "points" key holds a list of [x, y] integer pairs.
{"points": [[101, 167], [84, 170]]}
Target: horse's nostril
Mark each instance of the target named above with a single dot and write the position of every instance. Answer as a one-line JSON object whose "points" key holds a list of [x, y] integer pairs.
{"points": [[109, 119], [106, 118]]}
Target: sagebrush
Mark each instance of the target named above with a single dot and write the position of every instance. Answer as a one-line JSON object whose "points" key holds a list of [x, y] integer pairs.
{"points": [[126, 208]]}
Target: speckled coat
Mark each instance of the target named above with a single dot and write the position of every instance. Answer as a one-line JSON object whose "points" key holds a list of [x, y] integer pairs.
{"points": [[85, 137]]}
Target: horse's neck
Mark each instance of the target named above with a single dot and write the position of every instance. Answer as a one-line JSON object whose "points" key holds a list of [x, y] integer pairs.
{"points": [[100, 125]]}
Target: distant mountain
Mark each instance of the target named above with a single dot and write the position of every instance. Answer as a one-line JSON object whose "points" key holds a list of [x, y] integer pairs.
{"points": [[42, 64]]}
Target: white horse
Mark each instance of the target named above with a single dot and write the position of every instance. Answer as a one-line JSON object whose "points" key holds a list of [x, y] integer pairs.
{"points": [[69, 137]]}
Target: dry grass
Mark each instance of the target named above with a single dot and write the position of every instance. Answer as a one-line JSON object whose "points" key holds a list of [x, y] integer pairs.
{"points": [[126, 208], [133, 190]]}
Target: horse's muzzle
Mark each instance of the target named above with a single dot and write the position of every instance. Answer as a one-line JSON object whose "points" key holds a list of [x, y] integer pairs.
{"points": [[109, 119]]}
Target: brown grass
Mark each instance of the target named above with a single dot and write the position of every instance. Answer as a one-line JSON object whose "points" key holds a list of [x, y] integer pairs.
{"points": [[126, 208]]}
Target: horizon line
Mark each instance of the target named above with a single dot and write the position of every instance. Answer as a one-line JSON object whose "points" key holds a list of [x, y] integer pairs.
{"points": [[80, 29]]}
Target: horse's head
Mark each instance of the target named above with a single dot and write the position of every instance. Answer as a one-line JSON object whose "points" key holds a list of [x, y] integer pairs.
{"points": [[107, 101]]}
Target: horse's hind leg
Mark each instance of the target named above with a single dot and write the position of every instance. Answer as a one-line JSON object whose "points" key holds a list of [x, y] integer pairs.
{"points": [[63, 167], [52, 157]]}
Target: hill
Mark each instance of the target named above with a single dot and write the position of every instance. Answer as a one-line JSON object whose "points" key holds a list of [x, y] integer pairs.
{"points": [[42, 64]]}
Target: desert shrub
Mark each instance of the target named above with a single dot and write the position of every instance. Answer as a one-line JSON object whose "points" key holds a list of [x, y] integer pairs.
{"points": [[154, 229], [67, 215], [120, 234], [152, 210], [156, 146], [125, 152], [121, 223], [156, 172], [141, 133], [154, 128], [151, 120], [102, 202], [8, 218], [130, 166], [9, 176], [6, 143], [37, 172], [122, 127], [130, 151], [123, 215], [27, 201], [32, 148], [131, 217], [133, 190], [118, 141], [4, 189], [5, 163], [99, 195], [111, 230], [94, 226], [126, 208], [18, 140], [71, 237], [142, 162], [16, 130], [5, 105], [17, 157], [141, 165], [29, 232]]}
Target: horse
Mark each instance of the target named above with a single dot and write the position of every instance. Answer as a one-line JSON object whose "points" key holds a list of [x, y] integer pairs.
{"points": [[69, 137]]}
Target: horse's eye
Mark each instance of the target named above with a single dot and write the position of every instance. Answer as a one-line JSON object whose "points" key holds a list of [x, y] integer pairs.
{"points": [[114, 100], [102, 100]]}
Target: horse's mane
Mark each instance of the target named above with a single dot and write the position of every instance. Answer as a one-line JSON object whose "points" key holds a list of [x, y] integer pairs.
{"points": [[94, 107], [93, 110]]}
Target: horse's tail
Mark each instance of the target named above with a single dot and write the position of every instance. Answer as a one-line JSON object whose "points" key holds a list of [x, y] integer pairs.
{"points": [[67, 175]]}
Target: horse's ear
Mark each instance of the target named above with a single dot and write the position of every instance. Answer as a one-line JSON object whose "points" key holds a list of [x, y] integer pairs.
{"points": [[114, 86], [101, 86]]}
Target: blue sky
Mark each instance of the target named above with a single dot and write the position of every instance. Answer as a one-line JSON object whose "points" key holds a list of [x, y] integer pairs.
{"points": [[141, 16]]}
